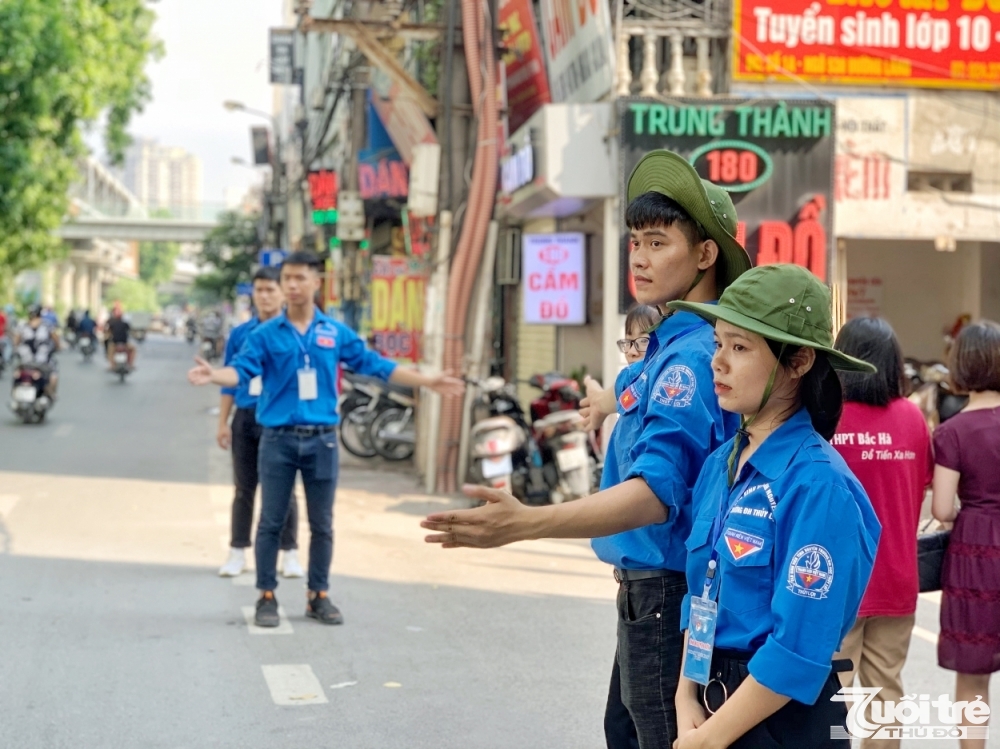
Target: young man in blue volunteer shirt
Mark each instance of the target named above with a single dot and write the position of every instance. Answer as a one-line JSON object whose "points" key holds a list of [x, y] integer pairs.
{"points": [[683, 246], [296, 356], [244, 437]]}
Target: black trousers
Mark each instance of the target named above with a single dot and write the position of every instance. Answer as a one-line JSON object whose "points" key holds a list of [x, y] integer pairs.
{"points": [[796, 725], [246, 444], [647, 664]]}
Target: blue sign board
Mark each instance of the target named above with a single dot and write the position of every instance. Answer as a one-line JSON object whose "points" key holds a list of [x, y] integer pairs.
{"points": [[271, 258], [244, 289]]}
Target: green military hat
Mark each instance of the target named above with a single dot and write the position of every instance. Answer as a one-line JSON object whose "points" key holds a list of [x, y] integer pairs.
{"points": [[783, 303], [669, 174]]}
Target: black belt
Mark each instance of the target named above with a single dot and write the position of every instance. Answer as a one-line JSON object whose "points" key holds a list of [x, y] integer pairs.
{"points": [[306, 430], [730, 669], [626, 576]]}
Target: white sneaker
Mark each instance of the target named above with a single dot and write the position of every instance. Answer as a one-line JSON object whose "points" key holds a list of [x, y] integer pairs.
{"points": [[236, 563], [290, 566]]}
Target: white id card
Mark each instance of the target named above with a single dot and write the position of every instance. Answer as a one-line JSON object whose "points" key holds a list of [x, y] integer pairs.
{"points": [[256, 386], [308, 390]]}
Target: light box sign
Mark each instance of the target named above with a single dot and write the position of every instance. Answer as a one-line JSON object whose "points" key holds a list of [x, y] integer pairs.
{"points": [[554, 271], [775, 158]]}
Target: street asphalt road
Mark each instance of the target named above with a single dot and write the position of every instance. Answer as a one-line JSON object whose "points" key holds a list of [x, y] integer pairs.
{"points": [[115, 631]]}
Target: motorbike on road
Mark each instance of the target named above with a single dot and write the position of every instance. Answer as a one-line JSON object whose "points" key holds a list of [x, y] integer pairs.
{"points": [[120, 366], [930, 383], [28, 399], [88, 346]]}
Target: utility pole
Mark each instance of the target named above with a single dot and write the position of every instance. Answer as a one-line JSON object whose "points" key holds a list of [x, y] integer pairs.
{"points": [[359, 133]]}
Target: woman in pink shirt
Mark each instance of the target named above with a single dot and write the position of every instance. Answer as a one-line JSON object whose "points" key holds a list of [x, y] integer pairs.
{"points": [[884, 440]]}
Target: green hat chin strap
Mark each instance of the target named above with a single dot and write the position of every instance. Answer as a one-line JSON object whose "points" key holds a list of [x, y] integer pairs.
{"points": [[697, 280], [745, 423]]}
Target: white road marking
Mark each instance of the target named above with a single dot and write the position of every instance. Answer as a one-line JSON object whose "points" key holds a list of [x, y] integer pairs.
{"points": [[343, 684], [246, 580], [63, 430], [223, 519], [294, 685], [7, 502], [284, 628], [933, 597], [220, 496], [925, 634]]}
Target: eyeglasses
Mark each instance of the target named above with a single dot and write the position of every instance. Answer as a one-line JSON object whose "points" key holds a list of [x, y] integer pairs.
{"points": [[641, 344]]}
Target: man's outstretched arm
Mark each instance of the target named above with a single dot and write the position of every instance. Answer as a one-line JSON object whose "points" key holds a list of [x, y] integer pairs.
{"points": [[503, 520]]}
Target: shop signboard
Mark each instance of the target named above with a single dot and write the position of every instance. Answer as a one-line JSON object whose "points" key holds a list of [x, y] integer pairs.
{"points": [[282, 55], [774, 157], [554, 271], [870, 169], [578, 44], [939, 43], [397, 297], [527, 83]]}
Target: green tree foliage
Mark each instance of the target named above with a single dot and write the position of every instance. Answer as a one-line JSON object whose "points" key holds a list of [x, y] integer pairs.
{"points": [[63, 64], [156, 261], [231, 250], [134, 295]]}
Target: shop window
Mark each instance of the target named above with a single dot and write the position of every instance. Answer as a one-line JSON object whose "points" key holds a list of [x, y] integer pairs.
{"points": [[939, 181], [508, 267]]}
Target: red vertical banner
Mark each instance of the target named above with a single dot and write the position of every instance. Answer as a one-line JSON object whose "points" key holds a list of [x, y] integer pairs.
{"points": [[397, 297], [527, 82]]}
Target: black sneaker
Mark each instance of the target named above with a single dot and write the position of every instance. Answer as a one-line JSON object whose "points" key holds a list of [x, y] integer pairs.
{"points": [[267, 612], [323, 610]]}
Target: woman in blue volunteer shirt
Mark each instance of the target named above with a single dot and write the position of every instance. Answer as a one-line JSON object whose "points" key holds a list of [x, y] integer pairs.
{"points": [[784, 537]]}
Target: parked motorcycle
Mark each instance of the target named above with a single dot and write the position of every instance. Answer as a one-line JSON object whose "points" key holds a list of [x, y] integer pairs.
{"points": [[364, 400], [542, 463], [120, 366], [28, 399], [211, 349]]}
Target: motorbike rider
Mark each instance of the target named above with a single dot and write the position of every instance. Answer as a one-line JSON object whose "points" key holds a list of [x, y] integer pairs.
{"points": [[37, 343], [118, 331], [211, 331], [86, 327], [4, 354]]}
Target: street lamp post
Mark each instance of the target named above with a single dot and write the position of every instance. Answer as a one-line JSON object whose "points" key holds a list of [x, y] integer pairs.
{"points": [[277, 193]]}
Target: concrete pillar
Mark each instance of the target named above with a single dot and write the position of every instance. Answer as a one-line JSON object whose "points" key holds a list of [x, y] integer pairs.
{"points": [[649, 76], [81, 290], [676, 76], [96, 292], [65, 288]]}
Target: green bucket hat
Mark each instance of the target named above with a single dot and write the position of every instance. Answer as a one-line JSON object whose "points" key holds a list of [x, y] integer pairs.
{"points": [[667, 173], [783, 303]]}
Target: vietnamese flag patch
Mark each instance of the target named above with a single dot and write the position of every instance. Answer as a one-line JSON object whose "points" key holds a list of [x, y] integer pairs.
{"points": [[324, 341], [742, 544], [628, 399]]}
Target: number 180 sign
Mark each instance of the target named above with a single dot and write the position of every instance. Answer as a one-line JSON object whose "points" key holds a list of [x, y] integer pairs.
{"points": [[555, 289]]}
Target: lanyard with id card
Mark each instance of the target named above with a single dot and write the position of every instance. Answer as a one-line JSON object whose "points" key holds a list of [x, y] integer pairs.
{"points": [[308, 388], [704, 614]]}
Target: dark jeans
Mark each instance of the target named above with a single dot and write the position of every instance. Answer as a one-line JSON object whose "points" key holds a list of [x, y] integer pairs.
{"points": [[650, 645], [619, 729], [794, 726], [282, 455], [246, 441]]}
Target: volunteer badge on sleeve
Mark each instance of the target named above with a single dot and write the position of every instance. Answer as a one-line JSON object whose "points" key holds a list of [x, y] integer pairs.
{"points": [[810, 574]]}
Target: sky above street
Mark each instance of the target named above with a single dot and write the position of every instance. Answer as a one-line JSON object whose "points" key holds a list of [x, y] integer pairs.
{"points": [[215, 50]]}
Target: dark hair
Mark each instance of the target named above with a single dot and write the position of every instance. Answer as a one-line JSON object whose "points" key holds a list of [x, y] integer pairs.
{"points": [[656, 209], [975, 358], [267, 274], [642, 315], [873, 340], [820, 392], [302, 257]]}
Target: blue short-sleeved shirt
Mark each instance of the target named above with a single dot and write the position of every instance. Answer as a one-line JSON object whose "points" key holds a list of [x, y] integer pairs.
{"points": [[276, 351], [237, 337], [670, 422], [795, 551]]}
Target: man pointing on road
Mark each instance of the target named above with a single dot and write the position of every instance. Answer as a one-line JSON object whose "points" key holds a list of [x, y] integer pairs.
{"points": [[296, 356]]}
